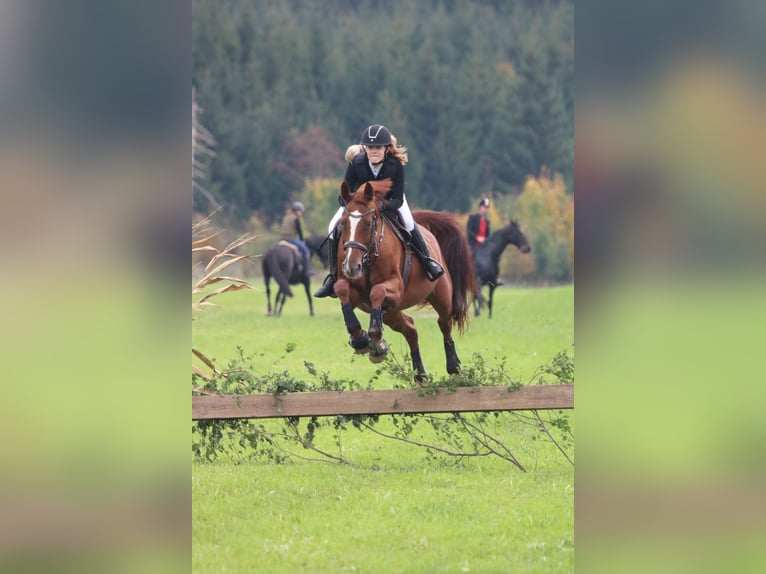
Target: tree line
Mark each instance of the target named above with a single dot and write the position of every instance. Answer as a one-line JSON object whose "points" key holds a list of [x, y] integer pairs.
{"points": [[479, 91]]}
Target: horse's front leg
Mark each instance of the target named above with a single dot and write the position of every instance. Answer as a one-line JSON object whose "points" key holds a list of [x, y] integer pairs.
{"points": [[383, 294], [358, 338]]}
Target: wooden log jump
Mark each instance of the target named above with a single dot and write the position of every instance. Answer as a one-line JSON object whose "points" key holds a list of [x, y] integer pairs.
{"points": [[397, 401]]}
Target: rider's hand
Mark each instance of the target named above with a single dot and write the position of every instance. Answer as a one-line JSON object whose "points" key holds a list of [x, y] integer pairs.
{"points": [[385, 206]]}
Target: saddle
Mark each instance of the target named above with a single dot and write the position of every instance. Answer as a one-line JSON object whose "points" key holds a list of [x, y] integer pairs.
{"points": [[395, 221], [297, 256], [286, 243]]}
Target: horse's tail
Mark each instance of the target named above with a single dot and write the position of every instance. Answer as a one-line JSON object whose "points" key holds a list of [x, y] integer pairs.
{"points": [[271, 261], [457, 258]]}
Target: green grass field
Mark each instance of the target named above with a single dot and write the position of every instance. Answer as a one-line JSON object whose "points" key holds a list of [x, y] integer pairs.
{"points": [[397, 511]]}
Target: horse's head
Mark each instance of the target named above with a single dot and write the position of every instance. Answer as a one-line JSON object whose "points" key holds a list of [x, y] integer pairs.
{"points": [[360, 225], [516, 237]]}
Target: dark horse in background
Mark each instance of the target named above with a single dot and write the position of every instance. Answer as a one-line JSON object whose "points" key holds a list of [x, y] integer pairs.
{"points": [[379, 276], [284, 263], [486, 261]]}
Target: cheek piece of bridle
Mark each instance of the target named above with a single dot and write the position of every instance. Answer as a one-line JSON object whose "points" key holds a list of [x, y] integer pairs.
{"points": [[374, 244]]}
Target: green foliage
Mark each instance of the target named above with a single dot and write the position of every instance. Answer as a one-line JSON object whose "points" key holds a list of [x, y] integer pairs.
{"points": [[455, 436], [400, 507], [480, 92], [546, 213]]}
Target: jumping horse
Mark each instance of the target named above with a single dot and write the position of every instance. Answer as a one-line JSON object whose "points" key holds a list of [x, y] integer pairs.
{"points": [[378, 275], [486, 260], [284, 263]]}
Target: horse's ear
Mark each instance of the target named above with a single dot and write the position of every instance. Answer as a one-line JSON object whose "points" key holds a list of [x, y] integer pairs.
{"points": [[368, 193], [345, 191]]}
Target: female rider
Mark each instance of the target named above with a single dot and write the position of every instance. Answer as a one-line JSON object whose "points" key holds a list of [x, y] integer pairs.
{"points": [[381, 157]]}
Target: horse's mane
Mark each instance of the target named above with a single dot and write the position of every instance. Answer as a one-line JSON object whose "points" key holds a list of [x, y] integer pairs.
{"points": [[380, 187]]}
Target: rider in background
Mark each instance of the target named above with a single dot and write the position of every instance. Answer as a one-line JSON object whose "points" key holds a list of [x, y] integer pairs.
{"points": [[477, 226], [353, 151], [381, 157], [292, 231]]}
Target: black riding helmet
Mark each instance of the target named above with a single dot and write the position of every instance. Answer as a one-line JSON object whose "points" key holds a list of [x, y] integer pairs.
{"points": [[376, 134]]}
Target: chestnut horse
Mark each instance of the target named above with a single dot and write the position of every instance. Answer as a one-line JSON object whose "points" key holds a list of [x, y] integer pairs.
{"points": [[379, 276]]}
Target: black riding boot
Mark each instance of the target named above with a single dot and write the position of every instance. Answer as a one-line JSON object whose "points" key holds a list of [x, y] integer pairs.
{"points": [[431, 267], [326, 290]]}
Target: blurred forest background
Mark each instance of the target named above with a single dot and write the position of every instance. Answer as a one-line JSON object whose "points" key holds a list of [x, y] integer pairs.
{"points": [[479, 91]]}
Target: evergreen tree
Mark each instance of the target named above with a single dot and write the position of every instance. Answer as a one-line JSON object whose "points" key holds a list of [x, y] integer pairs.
{"points": [[478, 90]]}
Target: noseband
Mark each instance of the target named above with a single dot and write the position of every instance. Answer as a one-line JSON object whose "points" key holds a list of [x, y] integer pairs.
{"points": [[373, 243]]}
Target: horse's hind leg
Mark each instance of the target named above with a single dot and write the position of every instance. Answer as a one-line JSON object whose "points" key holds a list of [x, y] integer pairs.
{"points": [[306, 284], [405, 325], [445, 325], [279, 302], [453, 361], [268, 293]]}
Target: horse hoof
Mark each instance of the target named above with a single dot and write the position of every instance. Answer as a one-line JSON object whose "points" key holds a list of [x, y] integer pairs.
{"points": [[378, 352], [377, 358], [360, 344], [454, 370]]}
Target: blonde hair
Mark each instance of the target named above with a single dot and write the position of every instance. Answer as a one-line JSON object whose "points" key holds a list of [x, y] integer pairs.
{"points": [[353, 151], [398, 151]]}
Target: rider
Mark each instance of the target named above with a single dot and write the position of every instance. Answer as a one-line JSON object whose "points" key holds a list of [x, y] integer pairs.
{"points": [[292, 231], [381, 157], [477, 226], [352, 151]]}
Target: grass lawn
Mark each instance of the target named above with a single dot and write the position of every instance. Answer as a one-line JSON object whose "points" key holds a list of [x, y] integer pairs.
{"points": [[398, 511]]}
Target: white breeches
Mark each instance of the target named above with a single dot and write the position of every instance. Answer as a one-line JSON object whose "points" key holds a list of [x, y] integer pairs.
{"points": [[406, 215], [404, 212]]}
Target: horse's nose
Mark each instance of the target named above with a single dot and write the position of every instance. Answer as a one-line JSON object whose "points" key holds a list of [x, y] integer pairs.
{"points": [[352, 271], [526, 249]]}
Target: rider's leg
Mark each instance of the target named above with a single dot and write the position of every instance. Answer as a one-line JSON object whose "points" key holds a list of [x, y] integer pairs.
{"points": [[431, 267], [327, 287], [333, 237], [309, 270]]}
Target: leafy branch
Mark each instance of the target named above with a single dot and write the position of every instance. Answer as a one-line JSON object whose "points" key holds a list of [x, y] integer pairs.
{"points": [[454, 435]]}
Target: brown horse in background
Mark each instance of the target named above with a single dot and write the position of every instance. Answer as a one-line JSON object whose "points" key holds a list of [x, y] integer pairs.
{"points": [[379, 276]]}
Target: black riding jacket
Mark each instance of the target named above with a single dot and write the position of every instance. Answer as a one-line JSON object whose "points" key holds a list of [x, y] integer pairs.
{"points": [[359, 172]]}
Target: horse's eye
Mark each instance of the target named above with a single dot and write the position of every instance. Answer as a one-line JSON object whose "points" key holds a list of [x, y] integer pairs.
{"points": [[367, 224]]}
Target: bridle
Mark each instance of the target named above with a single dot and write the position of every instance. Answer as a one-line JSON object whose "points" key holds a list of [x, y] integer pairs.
{"points": [[366, 262]]}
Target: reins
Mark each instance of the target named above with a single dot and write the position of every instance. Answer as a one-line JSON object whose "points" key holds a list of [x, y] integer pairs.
{"points": [[373, 243]]}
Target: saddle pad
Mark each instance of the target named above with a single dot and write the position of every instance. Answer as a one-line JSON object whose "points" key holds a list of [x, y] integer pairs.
{"points": [[292, 246]]}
